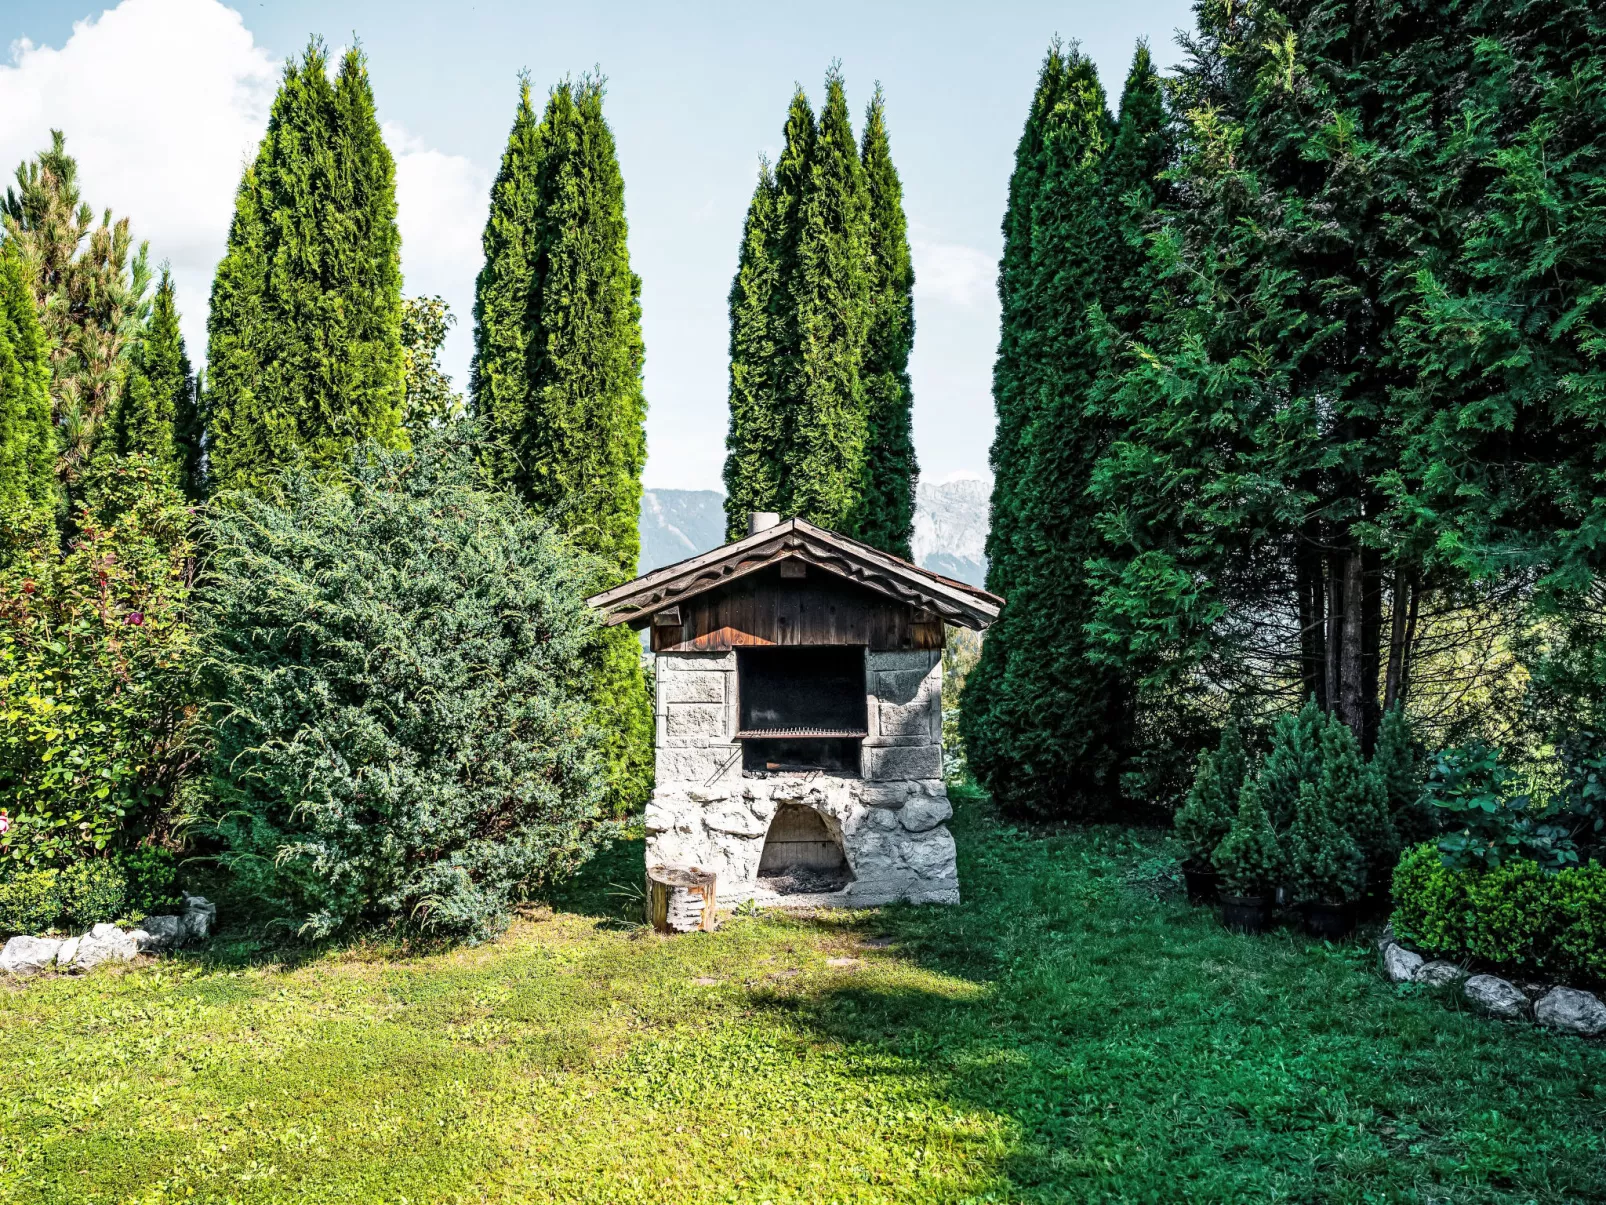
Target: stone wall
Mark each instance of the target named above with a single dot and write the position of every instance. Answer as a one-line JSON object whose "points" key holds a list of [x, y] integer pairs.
{"points": [[891, 821]]}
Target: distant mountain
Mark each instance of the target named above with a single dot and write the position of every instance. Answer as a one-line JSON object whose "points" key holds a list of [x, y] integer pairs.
{"points": [[676, 524], [950, 527]]}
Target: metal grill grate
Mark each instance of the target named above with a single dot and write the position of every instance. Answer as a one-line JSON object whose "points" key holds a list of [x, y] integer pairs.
{"points": [[808, 733]]}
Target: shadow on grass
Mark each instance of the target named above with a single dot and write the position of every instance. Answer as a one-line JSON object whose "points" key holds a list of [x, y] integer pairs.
{"points": [[1143, 1053], [610, 886]]}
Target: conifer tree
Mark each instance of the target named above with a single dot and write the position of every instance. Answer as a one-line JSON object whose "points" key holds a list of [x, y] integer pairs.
{"points": [[1295, 759], [885, 514], [830, 295], [499, 380], [1203, 820], [765, 341], [89, 283], [573, 442], [1249, 858], [1058, 719], [304, 356], [27, 435], [157, 414], [1400, 777]]}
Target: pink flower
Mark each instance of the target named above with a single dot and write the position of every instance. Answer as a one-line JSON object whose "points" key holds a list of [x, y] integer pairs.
{"points": [[135, 617], [5, 823]]}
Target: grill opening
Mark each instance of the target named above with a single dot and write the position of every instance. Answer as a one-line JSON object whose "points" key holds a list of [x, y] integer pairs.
{"points": [[801, 854], [801, 693]]}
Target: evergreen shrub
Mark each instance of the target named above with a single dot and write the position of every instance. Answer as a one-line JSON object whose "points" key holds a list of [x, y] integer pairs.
{"points": [[1204, 819], [75, 897], [1516, 914], [402, 664], [1249, 859], [1325, 864]]}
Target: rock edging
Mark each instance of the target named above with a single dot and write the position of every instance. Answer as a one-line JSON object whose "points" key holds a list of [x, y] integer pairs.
{"points": [[24, 956], [1564, 1009]]}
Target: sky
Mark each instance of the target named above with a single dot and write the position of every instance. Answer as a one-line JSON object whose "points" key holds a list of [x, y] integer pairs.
{"points": [[164, 101]]}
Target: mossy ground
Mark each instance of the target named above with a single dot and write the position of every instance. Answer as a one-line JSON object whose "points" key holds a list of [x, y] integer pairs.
{"points": [[1073, 1032]]}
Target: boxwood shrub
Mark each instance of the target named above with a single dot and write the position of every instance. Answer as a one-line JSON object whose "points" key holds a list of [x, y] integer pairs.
{"points": [[1517, 914]]}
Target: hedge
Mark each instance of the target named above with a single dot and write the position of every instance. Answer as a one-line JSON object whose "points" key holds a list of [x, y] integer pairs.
{"points": [[1518, 914]]}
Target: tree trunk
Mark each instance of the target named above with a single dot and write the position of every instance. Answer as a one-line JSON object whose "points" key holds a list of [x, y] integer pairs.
{"points": [[1335, 638], [1358, 632], [1312, 621], [1402, 634]]}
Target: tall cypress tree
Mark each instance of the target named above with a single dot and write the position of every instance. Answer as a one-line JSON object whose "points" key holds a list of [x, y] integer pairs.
{"points": [[765, 340], [304, 355], [1056, 720], [27, 435], [567, 420], [157, 414], [886, 509], [831, 296], [499, 378]]}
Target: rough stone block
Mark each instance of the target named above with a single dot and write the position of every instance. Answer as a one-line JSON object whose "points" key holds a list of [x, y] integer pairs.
{"points": [[161, 933], [696, 663], [911, 720], [1400, 964], [200, 914], [924, 813], [68, 952], [901, 661], [886, 795], [105, 943], [1496, 997], [1440, 974], [700, 765], [902, 762], [700, 723], [691, 688], [29, 955], [1571, 1011], [733, 819], [902, 688], [931, 855], [943, 891]]}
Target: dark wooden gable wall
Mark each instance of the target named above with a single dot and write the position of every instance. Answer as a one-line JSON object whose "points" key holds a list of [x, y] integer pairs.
{"points": [[767, 608]]}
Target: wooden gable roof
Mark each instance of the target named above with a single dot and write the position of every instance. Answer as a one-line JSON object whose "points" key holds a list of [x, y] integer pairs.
{"points": [[635, 602]]}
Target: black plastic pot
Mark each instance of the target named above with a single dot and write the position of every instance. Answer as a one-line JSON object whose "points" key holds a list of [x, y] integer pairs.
{"points": [[1331, 921], [1204, 886], [1246, 913]]}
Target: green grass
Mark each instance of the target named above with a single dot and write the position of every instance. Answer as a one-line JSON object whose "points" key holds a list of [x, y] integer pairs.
{"points": [[1067, 1034]]}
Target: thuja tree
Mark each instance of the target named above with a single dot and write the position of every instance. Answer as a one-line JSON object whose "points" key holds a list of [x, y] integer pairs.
{"points": [[821, 329], [558, 370], [304, 354], [1051, 723], [402, 663], [157, 415], [885, 513], [1245, 497], [27, 436]]}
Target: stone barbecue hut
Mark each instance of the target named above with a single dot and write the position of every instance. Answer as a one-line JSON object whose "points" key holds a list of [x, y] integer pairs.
{"points": [[799, 717]]}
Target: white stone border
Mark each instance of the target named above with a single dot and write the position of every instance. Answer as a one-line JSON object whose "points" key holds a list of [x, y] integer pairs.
{"points": [[24, 956], [1566, 1009]]}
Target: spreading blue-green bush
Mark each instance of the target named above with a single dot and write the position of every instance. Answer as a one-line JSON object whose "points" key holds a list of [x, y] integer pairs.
{"points": [[401, 660], [1517, 913]]}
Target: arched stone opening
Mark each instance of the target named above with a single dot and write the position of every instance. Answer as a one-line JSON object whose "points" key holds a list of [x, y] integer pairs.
{"points": [[802, 854]]}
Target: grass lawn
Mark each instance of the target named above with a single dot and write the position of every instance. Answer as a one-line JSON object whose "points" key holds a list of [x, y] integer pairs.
{"points": [[1067, 1034]]}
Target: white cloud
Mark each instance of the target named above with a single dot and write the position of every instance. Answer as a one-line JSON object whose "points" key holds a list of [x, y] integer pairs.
{"points": [[164, 101], [950, 272]]}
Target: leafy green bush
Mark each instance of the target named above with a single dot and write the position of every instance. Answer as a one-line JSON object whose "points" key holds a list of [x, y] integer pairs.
{"points": [[401, 661], [1489, 820], [95, 648], [1249, 858], [1204, 819], [1517, 913], [74, 897]]}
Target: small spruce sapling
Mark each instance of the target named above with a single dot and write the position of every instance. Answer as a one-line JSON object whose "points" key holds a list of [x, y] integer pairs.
{"points": [[1207, 815], [1295, 759], [1399, 774], [1249, 859], [1325, 865], [1354, 798]]}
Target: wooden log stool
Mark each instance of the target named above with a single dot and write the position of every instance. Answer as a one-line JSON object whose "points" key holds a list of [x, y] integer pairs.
{"points": [[680, 899]]}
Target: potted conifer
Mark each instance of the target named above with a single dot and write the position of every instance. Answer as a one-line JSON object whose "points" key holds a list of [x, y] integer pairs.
{"points": [[1327, 870], [1207, 815], [1250, 863]]}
